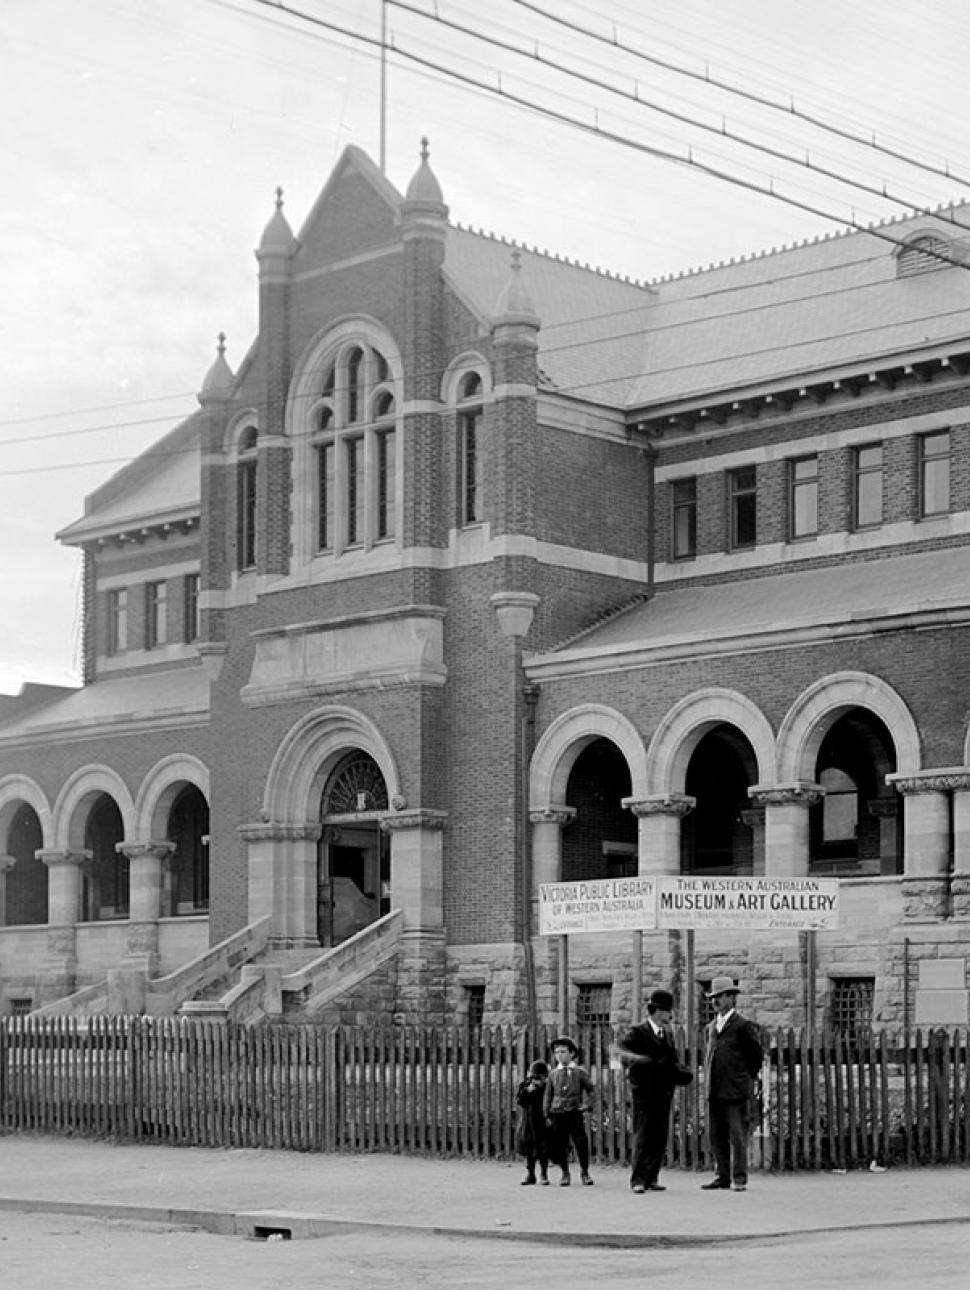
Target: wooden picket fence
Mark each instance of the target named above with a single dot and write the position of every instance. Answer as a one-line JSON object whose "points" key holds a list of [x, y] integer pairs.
{"points": [[823, 1104]]}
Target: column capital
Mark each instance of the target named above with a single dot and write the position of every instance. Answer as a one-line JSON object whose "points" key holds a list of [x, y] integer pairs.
{"points": [[676, 804], [946, 779], [280, 831], [53, 859], [552, 814], [153, 850], [414, 819], [797, 793], [753, 816]]}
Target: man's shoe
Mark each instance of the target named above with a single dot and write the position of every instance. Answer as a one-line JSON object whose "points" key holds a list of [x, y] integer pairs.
{"points": [[638, 1189], [528, 1181], [565, 1180], [656, 1187], [716, 1185], [586, 1180], [544, 1181], [740, 1186]]}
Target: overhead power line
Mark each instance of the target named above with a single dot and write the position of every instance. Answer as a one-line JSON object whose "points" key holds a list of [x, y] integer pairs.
{"points": [[707, 79], [534, 55], [612, 136]]}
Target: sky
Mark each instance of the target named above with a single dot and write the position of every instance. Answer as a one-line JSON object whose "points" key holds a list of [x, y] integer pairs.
{"points": [[144, 140]]}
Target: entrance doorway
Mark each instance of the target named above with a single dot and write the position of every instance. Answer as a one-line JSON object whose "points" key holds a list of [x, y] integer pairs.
{"points": [[353, 863]]}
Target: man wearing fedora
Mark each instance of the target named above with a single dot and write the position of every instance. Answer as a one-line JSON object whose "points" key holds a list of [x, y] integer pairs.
{"points": [[732, 1063], [653, 1069]]}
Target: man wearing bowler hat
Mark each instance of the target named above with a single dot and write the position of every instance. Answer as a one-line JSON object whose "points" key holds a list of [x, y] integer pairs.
{"points": [[732, 1063], [647, 1053]]}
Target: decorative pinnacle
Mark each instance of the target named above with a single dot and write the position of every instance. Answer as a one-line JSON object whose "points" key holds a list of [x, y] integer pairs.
{"points": [[424, 148], [221, 347], [279, 199]]}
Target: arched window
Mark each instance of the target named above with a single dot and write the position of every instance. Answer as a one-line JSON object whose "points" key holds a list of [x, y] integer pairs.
{"points": [[353, 435], [246, 515], [469, 422]]}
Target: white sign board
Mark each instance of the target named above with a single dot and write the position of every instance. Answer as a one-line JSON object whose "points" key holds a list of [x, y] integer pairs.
{"points": [[600, 905], [742, 904]]}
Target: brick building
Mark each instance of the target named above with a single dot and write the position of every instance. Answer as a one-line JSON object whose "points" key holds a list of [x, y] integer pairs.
{"points": [[485, 570]]}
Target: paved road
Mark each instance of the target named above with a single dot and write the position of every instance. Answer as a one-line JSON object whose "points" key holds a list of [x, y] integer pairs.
{"points": [[61, 1252]]}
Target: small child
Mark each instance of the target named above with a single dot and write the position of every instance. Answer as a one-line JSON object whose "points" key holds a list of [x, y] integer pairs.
{"points": [[565, 1100], [531, 1139]]}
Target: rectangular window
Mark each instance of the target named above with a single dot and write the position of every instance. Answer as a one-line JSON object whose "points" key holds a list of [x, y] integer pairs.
{"points": [[190, 608], [475, 1002], [684, 507], [355, 491], [469, 486], [867, 470], [247, 515], [934, 473], [593, 1004], [385, 484], [155, 614], [117, 621], [851, 1016], [325, 495], [742, 486], [803, 497]]}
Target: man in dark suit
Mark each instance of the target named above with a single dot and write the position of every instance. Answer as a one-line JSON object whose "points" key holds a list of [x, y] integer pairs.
{"points": [[732, 1063], [653, 1069]]}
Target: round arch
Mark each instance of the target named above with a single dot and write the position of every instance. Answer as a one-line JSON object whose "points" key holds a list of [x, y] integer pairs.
{"points": [[159, 789], [307, 754], [815, 711], [470, 361], [563, 741], [20, 790], [682, 729], [82, 787]]}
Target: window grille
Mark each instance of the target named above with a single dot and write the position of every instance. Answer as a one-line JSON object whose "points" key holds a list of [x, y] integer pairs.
{"points": [[851, 1009], [20, 1007], [593, 1004]]}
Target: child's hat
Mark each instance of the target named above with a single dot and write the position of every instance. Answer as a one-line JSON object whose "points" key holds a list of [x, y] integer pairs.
{"points": [[565, 1041], [538, 1068]]}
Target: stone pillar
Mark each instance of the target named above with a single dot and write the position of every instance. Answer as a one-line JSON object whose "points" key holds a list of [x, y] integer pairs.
{"points": [[960, 883], [417, 889], [786, 826], [885, 810], [6, 863], [145, 864], [926, 839], [658, 831], [63, 912], [547, 826], [283, 880], [754, 819]]}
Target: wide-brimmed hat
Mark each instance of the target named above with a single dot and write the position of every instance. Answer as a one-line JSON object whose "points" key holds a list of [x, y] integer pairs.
{"points": [[564, 1039], [722, 985], [662, 999]]}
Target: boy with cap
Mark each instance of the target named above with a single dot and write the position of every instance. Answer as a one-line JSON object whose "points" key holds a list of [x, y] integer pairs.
{"points": [[654, 1071], [732, 1063], [568, 1089]]}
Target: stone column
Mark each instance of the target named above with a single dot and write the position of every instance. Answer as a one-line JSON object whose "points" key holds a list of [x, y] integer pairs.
{"points": [[283, 880], [658, 831], [786, 826], [754, 819], [6, 863], [145, 864], [884, 809], [960, 882], [547, 826], [417, 889], [63, 913], [926, 839]]}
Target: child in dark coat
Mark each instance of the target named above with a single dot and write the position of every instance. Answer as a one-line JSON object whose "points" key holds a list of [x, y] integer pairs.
{"points": [[530, 1128]]}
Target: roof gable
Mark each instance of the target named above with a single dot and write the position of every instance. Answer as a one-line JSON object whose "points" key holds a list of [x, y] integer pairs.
{"points": [[356, 210]]}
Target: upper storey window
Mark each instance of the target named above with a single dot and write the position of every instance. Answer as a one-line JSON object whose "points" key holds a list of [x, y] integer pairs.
{"points": [[743, 504], [922, 255], [353, 433], [469, 449], [246, 500], [934, 473]]}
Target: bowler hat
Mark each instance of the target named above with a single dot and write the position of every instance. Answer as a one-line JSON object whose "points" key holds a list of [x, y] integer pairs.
{"points": [[722, 985], [662, 999], [564, 1039]]}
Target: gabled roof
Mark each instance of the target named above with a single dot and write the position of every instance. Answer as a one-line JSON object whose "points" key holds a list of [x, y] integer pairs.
{"points": [[159, 486], [831, 303]]}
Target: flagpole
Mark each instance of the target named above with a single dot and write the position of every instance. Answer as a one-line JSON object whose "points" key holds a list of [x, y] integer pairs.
{"points": [[383, 150]]}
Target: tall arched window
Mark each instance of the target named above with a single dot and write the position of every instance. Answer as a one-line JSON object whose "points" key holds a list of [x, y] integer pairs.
{"points": [[246, 500], [354, 439], [469, 422]]}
